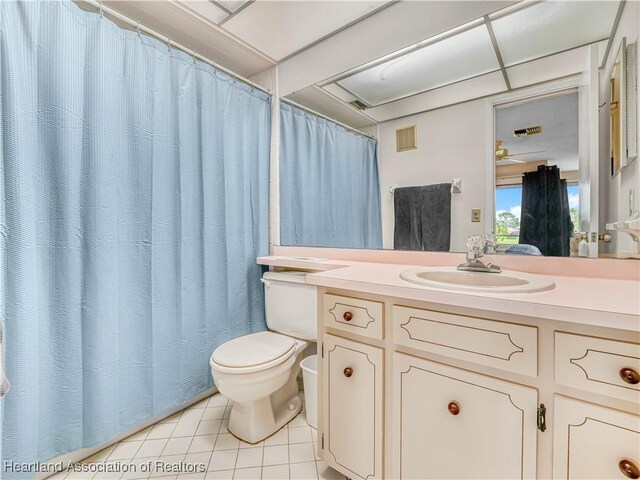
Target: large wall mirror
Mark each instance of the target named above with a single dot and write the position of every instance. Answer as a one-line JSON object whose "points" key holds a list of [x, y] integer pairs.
{"points": [[497, 127]]}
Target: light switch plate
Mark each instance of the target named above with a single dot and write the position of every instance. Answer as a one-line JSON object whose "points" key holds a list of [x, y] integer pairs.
{"points": [[476, 213]]}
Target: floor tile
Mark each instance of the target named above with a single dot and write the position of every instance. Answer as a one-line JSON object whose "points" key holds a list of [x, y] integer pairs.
{"points": [[200, 460], [188, 423], [303, 471], [248, 473], [224, 427], [223, 460], [208, 427], [100, 456], [219, 475], [300, 435], [281, 437], [199, 435], [173, 418], [161, 430], [203, 443], [164, 466], [301, 452], [125, 450], [226, 441], [218, 401], [275, 472], [299, 421], [139, 468], [200, 404], [192, 476], [151, 448], [213, 413], [249, 457], [108, 471], [141, 435], [251, 445], [176, 446], [276, 455]]}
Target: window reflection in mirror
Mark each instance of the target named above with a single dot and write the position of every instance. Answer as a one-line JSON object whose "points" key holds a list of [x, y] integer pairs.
{"points": [[537, 175]]}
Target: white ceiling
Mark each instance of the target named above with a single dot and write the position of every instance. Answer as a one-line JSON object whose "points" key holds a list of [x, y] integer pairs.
{"points": [[558, 117], [522, 35], [279, 29], [397, 57]]}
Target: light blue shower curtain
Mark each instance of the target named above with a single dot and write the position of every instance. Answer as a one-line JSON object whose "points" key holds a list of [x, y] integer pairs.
{"points": [[329, 186], [134, 186]]}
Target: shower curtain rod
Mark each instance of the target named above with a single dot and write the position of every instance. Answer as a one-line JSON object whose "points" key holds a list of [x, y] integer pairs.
{"points": [[295, 104], [167, 40]]}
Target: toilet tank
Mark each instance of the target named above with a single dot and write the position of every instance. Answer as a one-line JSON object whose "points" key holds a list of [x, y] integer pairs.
{"points": [[291, 306]]}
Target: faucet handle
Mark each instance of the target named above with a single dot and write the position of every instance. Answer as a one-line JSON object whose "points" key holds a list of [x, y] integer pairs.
{"points": [[475, 244]]}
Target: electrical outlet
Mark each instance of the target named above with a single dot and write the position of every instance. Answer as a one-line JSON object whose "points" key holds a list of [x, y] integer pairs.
{"points": [[476, 213], [632, 200]]}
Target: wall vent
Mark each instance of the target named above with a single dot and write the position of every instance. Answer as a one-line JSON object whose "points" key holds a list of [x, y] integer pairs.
{"points": [[406, 138], [358, 104], [525, 132]]}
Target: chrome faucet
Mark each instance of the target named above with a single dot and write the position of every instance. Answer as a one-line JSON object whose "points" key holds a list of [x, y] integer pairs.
{"points": [[475, 250]]}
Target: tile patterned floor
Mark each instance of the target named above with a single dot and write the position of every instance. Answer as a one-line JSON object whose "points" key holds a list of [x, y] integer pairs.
{"points": [[198, 435]]}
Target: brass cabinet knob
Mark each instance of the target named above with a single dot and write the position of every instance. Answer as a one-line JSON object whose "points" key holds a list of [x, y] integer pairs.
{"points": [[630, 376], [348, 372], [454, 408], [629, 469], [347, 316]]}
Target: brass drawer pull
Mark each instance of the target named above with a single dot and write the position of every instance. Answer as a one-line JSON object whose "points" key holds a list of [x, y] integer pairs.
{"points": [[630, 376], [348, 372], [454, 408], [629, 469], [347, 316]]}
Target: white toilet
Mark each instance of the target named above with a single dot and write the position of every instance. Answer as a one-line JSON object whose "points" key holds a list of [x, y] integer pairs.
{"points": [[258, 372]]}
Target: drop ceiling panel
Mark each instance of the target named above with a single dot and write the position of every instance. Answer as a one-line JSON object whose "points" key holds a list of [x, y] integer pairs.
{"points": [[280, 28], [206, 9], [231, 5], [397, 26], [453, 59], [485, 85], [550, 27], [341, 93], [317, 99], [548, 68]]}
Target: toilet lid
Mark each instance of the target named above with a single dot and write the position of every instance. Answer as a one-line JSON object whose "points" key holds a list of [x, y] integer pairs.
{"points": [[254, 350]]}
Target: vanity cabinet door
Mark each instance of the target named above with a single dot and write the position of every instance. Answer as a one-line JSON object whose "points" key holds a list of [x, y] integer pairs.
{"points": [[451, 423], [594, 442], [352, 403]]}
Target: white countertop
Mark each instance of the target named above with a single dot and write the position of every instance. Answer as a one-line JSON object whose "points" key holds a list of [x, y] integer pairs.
{"points": [[590, 301]]}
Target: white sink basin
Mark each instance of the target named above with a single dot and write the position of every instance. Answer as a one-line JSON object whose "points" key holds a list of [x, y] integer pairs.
{"points": [[450, 278]]}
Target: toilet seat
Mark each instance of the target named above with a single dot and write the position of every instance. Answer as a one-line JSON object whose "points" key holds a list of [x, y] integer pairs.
{"points": [[253, 353]]}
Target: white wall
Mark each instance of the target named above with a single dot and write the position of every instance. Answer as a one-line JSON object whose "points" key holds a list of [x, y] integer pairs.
{"points": [[615, 197], [269, 79], [451, 144]]}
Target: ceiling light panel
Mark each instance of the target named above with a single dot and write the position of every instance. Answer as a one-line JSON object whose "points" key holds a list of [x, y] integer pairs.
{"points": [[550, 27], [453, 59]]}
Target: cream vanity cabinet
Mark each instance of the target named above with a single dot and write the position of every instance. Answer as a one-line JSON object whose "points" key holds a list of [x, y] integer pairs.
{"points": [[415, 392]]}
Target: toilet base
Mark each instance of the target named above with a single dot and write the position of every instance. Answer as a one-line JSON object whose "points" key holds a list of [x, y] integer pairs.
{"points": [[252, 422]]}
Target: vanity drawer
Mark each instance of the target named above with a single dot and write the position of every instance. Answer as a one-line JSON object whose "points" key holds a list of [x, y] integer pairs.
{"points": [[485, 342], [362, 317], [599, 365]]}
